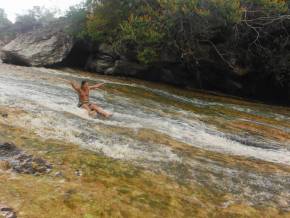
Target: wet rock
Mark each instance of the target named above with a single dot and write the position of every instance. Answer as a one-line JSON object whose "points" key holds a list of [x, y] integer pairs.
{"points": [[7, 212], [8, 150], [126, 68], [27, 164], [4, 115], [99, 64], [58, 174], [78, 173], [283, 203], [169, 56], [4, 165], [21, 162], [41, 47], [107, 49]]}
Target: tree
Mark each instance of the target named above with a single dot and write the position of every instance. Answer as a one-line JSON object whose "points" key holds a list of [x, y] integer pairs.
{"points": [[35, 17], [225, 34], [77, 17], [4, 22]]}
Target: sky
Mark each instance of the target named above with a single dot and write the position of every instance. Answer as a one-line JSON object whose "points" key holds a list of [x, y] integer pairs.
{"points": [[13, 7]]}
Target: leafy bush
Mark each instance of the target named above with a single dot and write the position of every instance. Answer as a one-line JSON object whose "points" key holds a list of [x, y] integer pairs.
{"points": [[229, 33], [77, 17]]}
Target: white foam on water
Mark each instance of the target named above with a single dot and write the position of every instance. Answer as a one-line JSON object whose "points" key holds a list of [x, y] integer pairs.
{"points": [[51, 126], [53, 114]]}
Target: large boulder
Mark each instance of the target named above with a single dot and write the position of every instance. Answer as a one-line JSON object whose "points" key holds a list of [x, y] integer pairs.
{"points": [[42, 47]]}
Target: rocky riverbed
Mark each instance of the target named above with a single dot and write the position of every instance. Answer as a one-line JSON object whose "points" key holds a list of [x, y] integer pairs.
{"points": [[166, 152]]}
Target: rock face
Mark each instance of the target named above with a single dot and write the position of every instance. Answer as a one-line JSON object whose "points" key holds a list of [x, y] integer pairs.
{"points": [[107, 61], [42, 47], [100, 63], [107, 49]]}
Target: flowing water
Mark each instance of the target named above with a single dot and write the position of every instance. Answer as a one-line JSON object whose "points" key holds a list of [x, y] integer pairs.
{"points": [[227, 145]]}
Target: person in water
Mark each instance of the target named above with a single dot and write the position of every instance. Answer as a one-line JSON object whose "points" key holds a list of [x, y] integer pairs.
{"points": [[84, 97]]}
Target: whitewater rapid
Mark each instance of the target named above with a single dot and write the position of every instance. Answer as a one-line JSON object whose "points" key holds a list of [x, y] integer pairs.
{"points": [[53, 114], [227, 145]]}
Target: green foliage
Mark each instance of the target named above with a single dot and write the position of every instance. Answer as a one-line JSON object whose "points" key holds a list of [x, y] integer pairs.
{"points": [[77, 16], [5, 24], [229, 11], [105, 18], [267, 6], [190, 27], [143, 31], [147, 55]]}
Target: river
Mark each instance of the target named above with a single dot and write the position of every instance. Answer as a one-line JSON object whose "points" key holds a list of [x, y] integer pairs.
{"points": [[227, 145]]}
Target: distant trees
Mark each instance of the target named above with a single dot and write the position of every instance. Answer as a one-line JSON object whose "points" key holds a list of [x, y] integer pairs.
{"points": [[37, 14], [4, 22], [77, 16], [33, 18]]}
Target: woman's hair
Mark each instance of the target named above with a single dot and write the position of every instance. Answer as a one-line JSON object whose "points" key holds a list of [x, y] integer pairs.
{"points": [[83, 83]]}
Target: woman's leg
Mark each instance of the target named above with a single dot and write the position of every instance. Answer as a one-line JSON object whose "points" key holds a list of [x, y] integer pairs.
{"points": [[100, 110]]}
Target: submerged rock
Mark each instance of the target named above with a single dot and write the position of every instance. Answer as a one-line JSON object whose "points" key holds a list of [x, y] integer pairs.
{"points": [[126, 68], [42, 47], [19, 161], [58, 174], [7, 212], [8, 150], [4, 115]]}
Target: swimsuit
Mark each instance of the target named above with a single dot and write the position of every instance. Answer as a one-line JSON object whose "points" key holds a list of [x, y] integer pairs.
{"points": [[81, 103]]}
